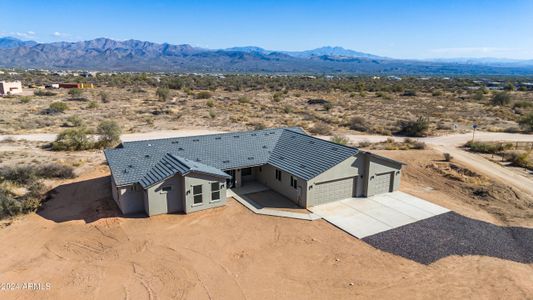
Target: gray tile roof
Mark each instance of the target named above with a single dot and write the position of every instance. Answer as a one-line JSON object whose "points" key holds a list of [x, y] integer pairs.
{"points": [[170, 165], [288, 149]]}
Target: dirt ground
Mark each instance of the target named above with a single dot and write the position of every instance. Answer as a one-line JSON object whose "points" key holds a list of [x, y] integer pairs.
{"points": [[81, 245]]}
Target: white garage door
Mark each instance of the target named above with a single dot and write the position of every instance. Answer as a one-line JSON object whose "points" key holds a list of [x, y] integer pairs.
{"points": [[381, 183], [334, 190]]}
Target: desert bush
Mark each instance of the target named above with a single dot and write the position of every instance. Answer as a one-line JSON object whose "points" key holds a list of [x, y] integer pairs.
{"points": [[258, 126], [523, 104], [104, 97], [340, 139], [490, 148], [75, 93], [277, 97], [109, 133], [203, 95], [210, 103], [243, 99], [416, 128], [501, 99], [57, 107], [73, 121], [519, 159], [162, 93], [359, 124], [8, 205], [364, 144], [448, 157], [73, 139], [21, 175], [320, 128], [43, 93], [478, 95], [436, 93], [328, 106], [409, 93], [287, 109], [92, 105], [25, 99], [212, 114], [54, 170], [526, 122]]}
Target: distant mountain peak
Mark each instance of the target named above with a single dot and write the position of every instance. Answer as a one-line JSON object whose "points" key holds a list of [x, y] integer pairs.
{"points": [[9, 42]]}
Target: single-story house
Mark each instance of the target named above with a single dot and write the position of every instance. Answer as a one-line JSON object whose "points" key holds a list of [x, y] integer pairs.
{"points": [[187, 174], [10, 88]]}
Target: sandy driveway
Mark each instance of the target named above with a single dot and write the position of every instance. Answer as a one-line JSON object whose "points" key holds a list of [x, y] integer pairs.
{"points": [[444, 144]]}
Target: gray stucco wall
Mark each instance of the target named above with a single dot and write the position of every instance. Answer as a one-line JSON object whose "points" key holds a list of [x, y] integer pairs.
{"points": [[377, 165], [267, 176], [351, 167], [157, 201], [129, 198], [197, 179]]}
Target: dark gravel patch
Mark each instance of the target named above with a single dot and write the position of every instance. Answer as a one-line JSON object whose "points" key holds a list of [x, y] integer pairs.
{"points": [[448, 234]]}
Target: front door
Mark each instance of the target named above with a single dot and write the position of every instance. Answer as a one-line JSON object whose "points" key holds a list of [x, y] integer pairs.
{"points": [[231, 181]]}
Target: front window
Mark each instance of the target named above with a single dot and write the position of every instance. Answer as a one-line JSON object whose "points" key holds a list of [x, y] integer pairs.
{"points": [[197, 194], [215, 191]]}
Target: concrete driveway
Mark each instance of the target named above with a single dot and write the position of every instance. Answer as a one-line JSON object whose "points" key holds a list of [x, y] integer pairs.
{"points": [[362, 217]]}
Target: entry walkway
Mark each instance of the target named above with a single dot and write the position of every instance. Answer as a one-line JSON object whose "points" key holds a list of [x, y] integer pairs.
{"points": [[240, 194], [362, 217]]}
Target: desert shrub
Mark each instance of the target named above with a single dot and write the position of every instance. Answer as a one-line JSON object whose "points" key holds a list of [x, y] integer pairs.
{"points": [[287, 109], [73, 121], [104, 97], [436, 93], [520, 160], [321, 128], [416, 128], [340, 139], [54, 170], [203, 95], [502, 98], [448, 157], [92, 105], [109, 133], [21, 175], [57, 107], [243, 99], [359, 124], [8, 205], [409, 93], [75, 93], [490, 148], [73, 139], [25, 99], [212, 114], [526, 122], [258, 126], [277, 97], [478, 95], [509, 87], [328, 106], [364, 144], [210, 103], [523, 104], [162, 93], [43, 93]]}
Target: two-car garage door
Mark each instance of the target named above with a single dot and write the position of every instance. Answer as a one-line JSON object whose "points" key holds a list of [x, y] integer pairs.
{"points": [[381, 183], [334, 190]]}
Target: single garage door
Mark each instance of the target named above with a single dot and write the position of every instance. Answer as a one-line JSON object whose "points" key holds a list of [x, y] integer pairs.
{"points": [[381, 183], [334, 190]]}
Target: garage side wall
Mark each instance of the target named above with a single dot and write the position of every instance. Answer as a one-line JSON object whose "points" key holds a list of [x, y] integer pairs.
{"points": [[383, 175], [207, 202], [165, 197], [347, 173]]}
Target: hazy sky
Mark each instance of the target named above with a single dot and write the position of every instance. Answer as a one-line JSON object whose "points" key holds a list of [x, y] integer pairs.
{"points": [[400, 29]]}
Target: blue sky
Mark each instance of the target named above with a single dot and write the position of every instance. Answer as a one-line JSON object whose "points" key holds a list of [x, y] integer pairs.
{"points": [[400, 29]]}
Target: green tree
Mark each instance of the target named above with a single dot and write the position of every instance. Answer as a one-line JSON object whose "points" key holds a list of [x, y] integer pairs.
{"points": [[109, 132], [73, 139]]}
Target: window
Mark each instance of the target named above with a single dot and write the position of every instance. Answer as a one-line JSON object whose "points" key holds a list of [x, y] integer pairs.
{"points": [[166, 189], [197, 194], [246, 172], [278, 175], [215, 191], [294, 182]]}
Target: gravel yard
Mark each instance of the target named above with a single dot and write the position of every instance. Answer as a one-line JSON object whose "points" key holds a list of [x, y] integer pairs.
{"points": [[450, 234]]}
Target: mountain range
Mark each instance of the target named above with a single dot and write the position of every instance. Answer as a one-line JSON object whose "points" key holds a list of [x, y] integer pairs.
{"points": [[105, 54]]}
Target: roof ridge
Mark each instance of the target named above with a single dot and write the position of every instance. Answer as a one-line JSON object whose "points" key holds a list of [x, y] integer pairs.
{"points": [[213, 134], [323, 140]]}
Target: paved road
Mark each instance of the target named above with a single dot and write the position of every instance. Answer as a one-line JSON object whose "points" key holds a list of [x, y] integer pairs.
{"points": [[444, 144]]}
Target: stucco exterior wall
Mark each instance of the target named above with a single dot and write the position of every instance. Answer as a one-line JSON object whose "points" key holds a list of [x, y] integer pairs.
{"points": [[205, 181], [157, 201], [376, 165], [350, 168], [267, 176], [129, 198]]}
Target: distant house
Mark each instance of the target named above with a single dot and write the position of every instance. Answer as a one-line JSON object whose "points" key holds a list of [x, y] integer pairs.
{"points": [[76, 85], [10, 88], [188, 174]]}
